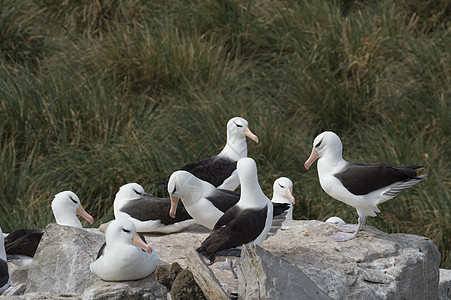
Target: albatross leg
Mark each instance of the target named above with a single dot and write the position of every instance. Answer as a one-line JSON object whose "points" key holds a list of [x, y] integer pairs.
{"points": [[346, 236]]}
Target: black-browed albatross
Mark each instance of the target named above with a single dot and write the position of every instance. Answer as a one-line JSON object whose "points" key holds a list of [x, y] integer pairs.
{"points": [[21, 244], [361, 185], [247, 222], [220, 170], [124, 255], [283, 193]]}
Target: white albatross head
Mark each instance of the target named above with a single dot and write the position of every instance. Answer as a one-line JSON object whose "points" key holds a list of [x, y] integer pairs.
{"points": [[238, 127], [185, 186], [283, 191], [325, 144], [65, 206], [123, 232]]}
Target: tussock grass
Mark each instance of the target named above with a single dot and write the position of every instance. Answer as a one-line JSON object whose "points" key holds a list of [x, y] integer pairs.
{"points": [[96, 94]]}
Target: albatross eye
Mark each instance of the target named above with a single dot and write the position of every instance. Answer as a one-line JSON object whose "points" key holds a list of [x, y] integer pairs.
{"points": [[318, 144], [137, 192], [281, 186], [125, 230], [238, 125], [73, 200], [173, 191]]}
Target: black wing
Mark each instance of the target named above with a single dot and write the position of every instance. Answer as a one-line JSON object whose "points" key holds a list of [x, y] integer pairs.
{"points": [[245, 227], [101, 250], [214, 170], [4, 274], [23, 241], [223, 199], [279, 213], [362, 178], [153, 208]]}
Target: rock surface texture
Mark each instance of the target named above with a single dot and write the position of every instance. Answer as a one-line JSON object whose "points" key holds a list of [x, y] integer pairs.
{"points": [[61, 262], [262, 275], [376, 265], [444, 289], [301, 254]]}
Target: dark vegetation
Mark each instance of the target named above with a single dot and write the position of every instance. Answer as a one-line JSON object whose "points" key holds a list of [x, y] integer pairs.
{"points": [[96, 94]]}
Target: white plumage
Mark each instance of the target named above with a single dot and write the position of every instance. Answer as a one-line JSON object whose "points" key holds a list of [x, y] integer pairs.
{"points": [[119, 259]]}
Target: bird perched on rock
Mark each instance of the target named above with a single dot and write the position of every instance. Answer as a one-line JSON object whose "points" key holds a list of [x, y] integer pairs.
{"points": [[124, 255], [220, 170], [361, 185], [249, 221]]}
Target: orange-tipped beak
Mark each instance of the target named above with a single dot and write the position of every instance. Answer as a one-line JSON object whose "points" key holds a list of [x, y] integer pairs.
{"points": [[82, 212], [313, 156], [250, 135], [290, 195], [174, 203], [137, 241]]}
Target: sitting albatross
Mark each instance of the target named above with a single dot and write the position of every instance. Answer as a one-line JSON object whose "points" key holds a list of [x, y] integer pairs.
{"points": [[361, 185], [124, 255], [21, 244]]}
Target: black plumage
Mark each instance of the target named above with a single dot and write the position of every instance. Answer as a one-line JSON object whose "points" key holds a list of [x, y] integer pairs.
{"points": [[4, 273], [236, 227], [149, 207], [23, 241], [223, 199], [215, 170], [363, 178]]}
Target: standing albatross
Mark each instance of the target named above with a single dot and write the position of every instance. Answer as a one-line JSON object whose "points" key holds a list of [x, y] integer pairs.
{"points": [[247, 222], [220, 170], [361, 185]]}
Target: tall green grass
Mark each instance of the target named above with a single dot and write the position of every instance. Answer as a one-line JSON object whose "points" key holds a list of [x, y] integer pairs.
{"points": [[98, 94]]}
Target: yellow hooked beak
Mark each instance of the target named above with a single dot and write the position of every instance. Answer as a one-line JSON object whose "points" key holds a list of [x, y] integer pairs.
{"points": [[290, 195], [313, 156], [82, 212], [174, 203], [249, 134], [137, 241]]}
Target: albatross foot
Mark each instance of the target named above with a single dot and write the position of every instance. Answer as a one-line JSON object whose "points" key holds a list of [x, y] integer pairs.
{"points": [[343, 236], [348, 228], [223, 266]]}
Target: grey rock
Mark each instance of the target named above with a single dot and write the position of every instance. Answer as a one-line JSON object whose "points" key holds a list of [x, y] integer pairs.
{"points": [[14, 290], [262, 275], [376, 265], [204, 277], [61, 262], [146, 288], [185, 287], [444, 288]]}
